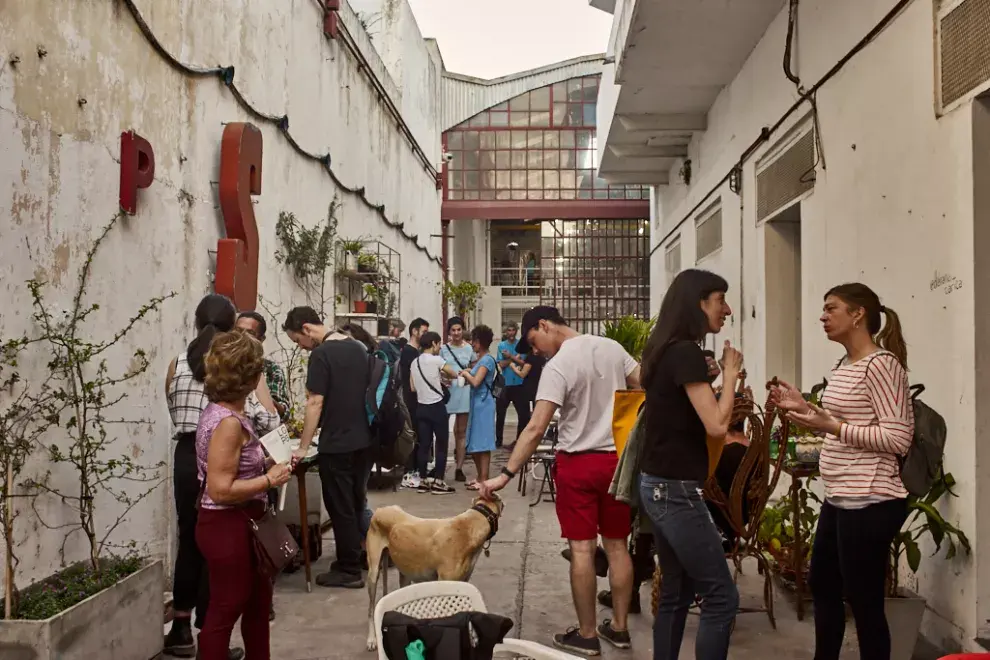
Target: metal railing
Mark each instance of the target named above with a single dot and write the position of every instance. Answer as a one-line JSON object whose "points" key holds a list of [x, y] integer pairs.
{"points": [[517, 281]]}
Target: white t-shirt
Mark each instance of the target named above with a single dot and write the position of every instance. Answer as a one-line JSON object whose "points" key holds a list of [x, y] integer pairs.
{"points": [[429, 366], [582, 379]]}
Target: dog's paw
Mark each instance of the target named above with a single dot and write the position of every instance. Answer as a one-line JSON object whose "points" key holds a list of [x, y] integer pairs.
{"points": [[372, 644]]}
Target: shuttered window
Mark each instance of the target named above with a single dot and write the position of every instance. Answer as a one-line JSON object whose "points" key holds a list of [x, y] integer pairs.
{"points": [[790, 175], [964, 49], [708, 232], [672, 260]]}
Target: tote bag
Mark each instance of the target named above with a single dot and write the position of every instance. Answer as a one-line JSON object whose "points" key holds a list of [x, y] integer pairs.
{"points": [[625, 409]]}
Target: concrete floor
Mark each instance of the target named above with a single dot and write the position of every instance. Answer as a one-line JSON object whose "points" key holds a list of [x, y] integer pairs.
{"points": [[525, 579]]}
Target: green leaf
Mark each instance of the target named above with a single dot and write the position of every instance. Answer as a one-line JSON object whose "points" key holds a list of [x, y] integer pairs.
{"points": [[913, 555]]}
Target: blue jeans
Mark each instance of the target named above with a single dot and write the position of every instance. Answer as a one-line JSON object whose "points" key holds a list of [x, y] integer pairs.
{"points": [[692, 562]]}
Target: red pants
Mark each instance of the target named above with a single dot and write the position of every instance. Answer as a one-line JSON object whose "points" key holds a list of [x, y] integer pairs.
{"points": [[584, 507], [237, 588]]}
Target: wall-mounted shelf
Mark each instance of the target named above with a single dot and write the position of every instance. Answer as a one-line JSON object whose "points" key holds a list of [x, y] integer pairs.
{"points": [[369, 285]]}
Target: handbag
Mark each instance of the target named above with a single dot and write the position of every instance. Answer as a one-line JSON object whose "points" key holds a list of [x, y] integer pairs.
{"points": [[272, 543], [444, 395]]}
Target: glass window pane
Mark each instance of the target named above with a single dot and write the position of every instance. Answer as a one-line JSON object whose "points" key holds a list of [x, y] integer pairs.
{"points": [[541, 118], [502, 180], [487, 181], [559, 91], [601, 194], [455, 195], [502, 160], [534, 139], [551, 139], [534, 160], [470, 180], [616, 194], [503, 139], [518, 194], [470, 194], [566, 194], [519, 179], [534, 180], [584, 140], [455, 180], [502, 194], [539, 99], [585, 160], [471, 160], [585, 178], [501, 107], [575, 115], [567, 160], [518, 118], [551, 179], [551, 194], [521, 102], [590, 114], [567, 139], [591, 88], [480, 119], [559, 114], [455, 140], [568, 179], [487, 194], [457, 162], [574, 89], [471, 140], [601, 183], [519, 140], [535, 194], [584, 194], [518, 160], [551, 159], [500, 119], [632, 193], [487, 160], [487, 140]]}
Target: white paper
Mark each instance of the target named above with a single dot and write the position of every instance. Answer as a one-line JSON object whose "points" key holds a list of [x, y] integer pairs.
{"points": [[277, 444]]}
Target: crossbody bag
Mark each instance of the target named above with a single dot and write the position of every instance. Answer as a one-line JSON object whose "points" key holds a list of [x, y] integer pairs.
{"points": [[444, 395]]}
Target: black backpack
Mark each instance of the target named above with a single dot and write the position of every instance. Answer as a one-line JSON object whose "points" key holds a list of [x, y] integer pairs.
{"points": [[391, 429]]}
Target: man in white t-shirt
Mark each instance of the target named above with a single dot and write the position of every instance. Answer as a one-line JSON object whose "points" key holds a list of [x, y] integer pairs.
{"points": [[431, 413], [580, 380]]}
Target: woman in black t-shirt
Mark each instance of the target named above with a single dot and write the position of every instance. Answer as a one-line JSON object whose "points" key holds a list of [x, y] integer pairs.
{"points": [[681, 410]]}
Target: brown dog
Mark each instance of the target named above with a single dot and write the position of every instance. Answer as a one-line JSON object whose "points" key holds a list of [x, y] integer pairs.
{"points": [[426, 549]]}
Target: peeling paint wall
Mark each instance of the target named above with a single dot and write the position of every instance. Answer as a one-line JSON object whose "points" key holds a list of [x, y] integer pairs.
{"points": [[59, 175]]}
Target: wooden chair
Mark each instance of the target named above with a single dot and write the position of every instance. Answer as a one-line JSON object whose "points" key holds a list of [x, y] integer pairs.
{"points": [[760, 473]]}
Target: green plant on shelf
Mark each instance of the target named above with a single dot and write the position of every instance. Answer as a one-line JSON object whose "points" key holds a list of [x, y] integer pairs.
{"points": [[463, 296], [631, 333], [367, 262], [351, 246]]}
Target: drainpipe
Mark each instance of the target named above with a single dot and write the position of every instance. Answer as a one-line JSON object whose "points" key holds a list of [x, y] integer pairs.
{"points": [[444, 260]]}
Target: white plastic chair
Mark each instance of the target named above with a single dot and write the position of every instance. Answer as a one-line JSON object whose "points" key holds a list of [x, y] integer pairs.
{"points": [[433, 600]]}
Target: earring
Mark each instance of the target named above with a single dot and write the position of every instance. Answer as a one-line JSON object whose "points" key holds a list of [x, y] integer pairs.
{"points": [[855, 324]]}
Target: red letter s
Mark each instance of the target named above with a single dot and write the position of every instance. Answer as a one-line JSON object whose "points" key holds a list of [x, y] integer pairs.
{"points": [[240, 177]]}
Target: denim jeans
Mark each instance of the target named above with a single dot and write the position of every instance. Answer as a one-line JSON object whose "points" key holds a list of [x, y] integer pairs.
{"points": [[692, 562]]}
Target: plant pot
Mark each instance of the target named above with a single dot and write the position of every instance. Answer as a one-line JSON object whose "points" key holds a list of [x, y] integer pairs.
{"points": [[383, 327], [360, 307], [350, 261], [904, 616], [808, 449], [123, 622], [372, 307]]}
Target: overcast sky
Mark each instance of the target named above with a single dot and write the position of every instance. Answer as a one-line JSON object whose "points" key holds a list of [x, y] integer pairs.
{"points": [[491, 38]]}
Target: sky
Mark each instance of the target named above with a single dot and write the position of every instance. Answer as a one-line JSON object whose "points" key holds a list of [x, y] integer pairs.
{"points": [[492, 38]]}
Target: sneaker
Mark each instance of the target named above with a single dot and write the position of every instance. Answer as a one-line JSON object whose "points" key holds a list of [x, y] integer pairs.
{"points": [[617, 638], [441, 488], [425, 485], [459, 475], [410, 480], [179, 641], [605, 598], [573, 642], [339, 579]]}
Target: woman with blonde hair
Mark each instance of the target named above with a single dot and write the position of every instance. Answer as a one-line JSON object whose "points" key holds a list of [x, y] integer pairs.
{"points": [[868, 419], [235, 478]]}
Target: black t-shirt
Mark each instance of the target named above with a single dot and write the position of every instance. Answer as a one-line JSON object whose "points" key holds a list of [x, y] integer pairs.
{"points": [[335, 367], [676, 441], [406, 358], [532, 381]]}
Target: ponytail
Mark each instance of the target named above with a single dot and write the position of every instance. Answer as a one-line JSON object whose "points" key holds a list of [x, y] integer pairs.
{"points": [[215, 313], [891, 338], [196, 352]]}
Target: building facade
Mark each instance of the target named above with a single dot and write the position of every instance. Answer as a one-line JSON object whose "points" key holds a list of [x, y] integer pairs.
{"points": [[796, 146]]}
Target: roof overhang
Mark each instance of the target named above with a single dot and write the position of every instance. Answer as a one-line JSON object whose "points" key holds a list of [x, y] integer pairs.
{"points": [[670, 61]]}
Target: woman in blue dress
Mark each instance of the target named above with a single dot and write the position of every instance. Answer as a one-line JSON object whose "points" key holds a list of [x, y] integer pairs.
{"points": [[459, 355], [481, 420]]}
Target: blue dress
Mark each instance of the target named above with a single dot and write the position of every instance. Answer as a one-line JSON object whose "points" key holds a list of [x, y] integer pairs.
{"points": [[460, 397], [481, 422]]}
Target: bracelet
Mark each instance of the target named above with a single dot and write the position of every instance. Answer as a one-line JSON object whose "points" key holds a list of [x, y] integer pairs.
{"points": [[269, 480]]}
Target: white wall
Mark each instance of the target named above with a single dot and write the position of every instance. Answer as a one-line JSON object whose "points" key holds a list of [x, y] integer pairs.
{"points": [[893, 207], [59, 178]]}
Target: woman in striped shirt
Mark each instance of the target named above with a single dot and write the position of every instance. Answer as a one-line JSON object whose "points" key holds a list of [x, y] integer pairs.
{"points": [[868, 420]]}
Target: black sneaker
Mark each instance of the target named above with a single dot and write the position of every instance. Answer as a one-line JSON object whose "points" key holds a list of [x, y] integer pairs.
{"points": [[601, 560], [340, 579], [573, 642], [425, 485], [459, 475], [441, 488], [617, 638], [179, 642], [605, 598]]}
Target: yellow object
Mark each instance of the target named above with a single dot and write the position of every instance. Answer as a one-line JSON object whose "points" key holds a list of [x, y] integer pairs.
{"points": [[625, 409]]}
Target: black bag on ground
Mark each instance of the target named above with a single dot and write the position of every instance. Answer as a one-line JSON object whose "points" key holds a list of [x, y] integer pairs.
{"points": [[448, 638]]}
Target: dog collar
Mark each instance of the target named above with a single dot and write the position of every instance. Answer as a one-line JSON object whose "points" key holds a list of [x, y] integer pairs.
{"points": [[490, 516]]}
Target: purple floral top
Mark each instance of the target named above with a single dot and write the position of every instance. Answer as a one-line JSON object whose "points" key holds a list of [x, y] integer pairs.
{"points": [[252, 455]]}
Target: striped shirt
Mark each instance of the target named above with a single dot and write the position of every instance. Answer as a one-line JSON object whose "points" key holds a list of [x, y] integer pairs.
{"points": [[872, 400]]}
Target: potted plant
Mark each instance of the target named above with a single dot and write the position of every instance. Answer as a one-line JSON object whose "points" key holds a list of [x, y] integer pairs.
{"points": [[904, 608], [631, 333], [777, 536], [351, 248], [464, 296], [371, 297], [367, 263]]}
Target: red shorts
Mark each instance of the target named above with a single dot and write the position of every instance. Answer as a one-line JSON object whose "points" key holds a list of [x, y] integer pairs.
{"points": [[584, 507]]}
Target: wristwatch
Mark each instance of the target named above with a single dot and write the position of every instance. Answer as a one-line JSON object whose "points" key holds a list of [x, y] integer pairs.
{"points": [[509, 473]]}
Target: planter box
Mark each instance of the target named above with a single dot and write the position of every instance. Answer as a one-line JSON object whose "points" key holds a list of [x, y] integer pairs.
{"points": [[123, 622], [904, 616]]}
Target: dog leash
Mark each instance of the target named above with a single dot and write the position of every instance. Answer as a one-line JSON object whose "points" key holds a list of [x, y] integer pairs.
{"points": [[492, 519]]}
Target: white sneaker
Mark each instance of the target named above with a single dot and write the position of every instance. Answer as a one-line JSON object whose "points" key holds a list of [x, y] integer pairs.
{"points": [[426, 485], [440, 488], [410, 480]]}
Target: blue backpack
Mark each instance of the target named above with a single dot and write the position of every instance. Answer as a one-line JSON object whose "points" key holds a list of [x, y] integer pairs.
{"points": [[387, 416]]}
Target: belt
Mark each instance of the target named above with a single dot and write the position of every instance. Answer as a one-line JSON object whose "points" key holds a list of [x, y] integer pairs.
{"points": [[589, 451]]}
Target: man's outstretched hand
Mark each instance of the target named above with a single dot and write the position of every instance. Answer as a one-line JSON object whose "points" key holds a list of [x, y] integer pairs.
{"points": [[488, 488]]}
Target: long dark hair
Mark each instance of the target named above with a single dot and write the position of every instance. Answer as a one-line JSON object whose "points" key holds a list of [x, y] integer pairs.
{"points": [[887, 335], [681, 317], [214, 313]]}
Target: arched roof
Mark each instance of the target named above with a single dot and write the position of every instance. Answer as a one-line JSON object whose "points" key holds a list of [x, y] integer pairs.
{"points": [[466, 96]]}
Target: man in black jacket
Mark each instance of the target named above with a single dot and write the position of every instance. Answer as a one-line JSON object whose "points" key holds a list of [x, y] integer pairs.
{"points": [[409, 353]]}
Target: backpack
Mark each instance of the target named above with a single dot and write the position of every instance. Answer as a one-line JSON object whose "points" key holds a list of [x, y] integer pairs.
{"points": [[497, 388], [388, 418], [922, 466]]}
